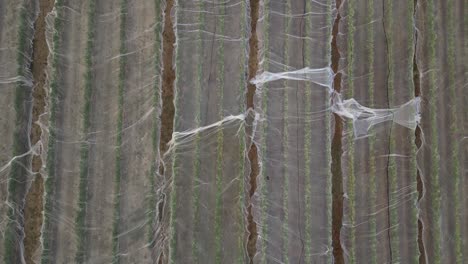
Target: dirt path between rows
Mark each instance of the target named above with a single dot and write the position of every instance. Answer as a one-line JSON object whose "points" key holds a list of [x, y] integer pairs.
{"points": [[252, 154], [33, 208], [418, 142], [336, 152], [168, 77], [167, 91]]}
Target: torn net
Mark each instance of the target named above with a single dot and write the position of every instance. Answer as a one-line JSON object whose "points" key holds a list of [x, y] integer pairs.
{"points": [[205, 204], [110, 196]]}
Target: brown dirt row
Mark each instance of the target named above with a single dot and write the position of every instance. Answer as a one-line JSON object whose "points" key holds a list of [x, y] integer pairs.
{"points": [[33, 208], [168, 77], [418, 142], [33, 216], [252, 155], [336, 151], [167, 92]]}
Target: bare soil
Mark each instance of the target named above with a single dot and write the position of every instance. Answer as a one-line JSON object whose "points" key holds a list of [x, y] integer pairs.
{"points": [[418, 143], [167, 90], [168, 77], [252, 155], [336, 151], [34, 201]]}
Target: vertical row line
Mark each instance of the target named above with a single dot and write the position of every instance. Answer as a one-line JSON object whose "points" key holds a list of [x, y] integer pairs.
{"points": [[54, 98], [264, 101], [392, 202], [220, 137], [412, 39], [351, 182], [80, 228], [14, 234], [253, 150], [454, 131], [154, 214], [197, 161], [434, 194], [418, 137], [167, 99], [336, 148], [308, 142], [285, 140], [389, 83], [242, 140], [118, 151], [328, 132], [372, 139], [172, 254]]}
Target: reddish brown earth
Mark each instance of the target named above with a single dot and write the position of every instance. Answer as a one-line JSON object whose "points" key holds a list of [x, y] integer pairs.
{"points": [[168, 77], [33, 208], [167, 93], [336, 151], [253, 156], [34, 199], [418, 143]]}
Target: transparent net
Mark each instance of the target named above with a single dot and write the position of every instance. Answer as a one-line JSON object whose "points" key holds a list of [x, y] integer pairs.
{"points": [[16, 84], [206, 162], [102, 155], [111, 197]]}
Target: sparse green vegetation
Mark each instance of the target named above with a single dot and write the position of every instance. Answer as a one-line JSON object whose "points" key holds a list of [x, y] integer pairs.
{"points": [[433, 174], [454, 132], [196, 162], [152, 199], [392, 164], [54, 100], [285, 231], [241, 222], [118, 151], [220, 140], [262, 177], [307, 147], [372, 139], [349, 91], [111, 195], [18, 172], [80, 229]]}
